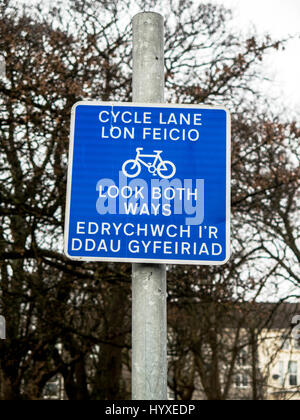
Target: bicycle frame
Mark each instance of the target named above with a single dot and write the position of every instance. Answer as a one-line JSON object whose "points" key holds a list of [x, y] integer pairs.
{"points": [[164, 168], [156, 157]]}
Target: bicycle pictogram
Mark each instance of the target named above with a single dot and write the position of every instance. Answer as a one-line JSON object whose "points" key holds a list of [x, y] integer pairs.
{"points": [[164, 168]]}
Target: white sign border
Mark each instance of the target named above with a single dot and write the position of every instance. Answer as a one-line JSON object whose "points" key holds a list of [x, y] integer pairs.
{"points": [[150, 260]]}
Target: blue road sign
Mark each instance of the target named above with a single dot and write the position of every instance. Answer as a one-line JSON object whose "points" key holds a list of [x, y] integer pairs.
{"points": [[148, 183]]}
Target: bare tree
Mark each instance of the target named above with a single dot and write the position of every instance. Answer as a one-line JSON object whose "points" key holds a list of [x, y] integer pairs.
{"points": [[72, 318]]}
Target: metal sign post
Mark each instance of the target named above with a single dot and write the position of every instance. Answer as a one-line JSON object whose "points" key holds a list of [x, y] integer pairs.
{"points": [[149, 320]]}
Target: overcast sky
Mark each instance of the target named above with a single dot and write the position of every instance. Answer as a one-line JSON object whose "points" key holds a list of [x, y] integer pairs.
{"points": [[279, 18]]}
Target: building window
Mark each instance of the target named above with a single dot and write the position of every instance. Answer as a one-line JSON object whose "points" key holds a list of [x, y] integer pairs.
{"points": [[285, 342], [293, 373], [53, 389], [281, 373], [297, 343], [242, 358], [242, 380]]}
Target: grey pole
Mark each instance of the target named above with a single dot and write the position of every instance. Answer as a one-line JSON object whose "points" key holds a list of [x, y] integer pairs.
{"points": [[149, 320]]}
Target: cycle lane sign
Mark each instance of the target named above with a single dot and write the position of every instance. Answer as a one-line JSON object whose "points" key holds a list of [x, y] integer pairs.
{"points": [[148, 183]]}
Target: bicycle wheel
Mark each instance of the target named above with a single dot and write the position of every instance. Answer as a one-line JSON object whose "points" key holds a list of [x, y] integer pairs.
{"points": [[166, 169], [131, 168]]}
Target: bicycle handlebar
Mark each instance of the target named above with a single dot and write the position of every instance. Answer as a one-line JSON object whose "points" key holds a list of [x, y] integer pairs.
{"points": [[138, 149]]}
